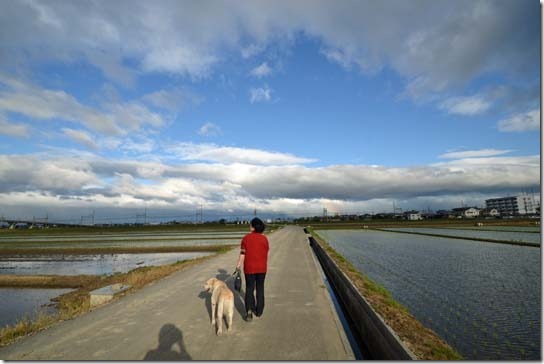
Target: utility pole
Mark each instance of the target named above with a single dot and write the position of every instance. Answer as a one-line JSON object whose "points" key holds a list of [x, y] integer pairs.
{"points": [[199, 213], [254, 212], [324, 214]]}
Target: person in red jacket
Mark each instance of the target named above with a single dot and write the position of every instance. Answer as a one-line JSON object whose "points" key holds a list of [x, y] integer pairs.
{"points": [[254, 255]]}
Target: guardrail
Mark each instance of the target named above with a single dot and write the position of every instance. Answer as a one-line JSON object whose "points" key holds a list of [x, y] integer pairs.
{"points": [[373, 336]]}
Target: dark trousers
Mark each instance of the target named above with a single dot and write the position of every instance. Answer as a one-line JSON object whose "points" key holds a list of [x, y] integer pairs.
{"points": [[255, 281]]}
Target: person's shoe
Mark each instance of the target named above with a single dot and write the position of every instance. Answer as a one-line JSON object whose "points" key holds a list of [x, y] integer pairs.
{"points": [[249, 316]]}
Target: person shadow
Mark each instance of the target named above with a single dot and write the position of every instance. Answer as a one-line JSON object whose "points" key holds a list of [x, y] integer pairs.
{"points": [[229, 281], [169, 335]]}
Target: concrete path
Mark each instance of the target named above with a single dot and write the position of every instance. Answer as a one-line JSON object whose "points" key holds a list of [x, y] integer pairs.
{"points": [[170, 319]]}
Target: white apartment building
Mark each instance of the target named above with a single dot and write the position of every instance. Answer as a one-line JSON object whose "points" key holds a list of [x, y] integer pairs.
{"points": [[513, 205]]}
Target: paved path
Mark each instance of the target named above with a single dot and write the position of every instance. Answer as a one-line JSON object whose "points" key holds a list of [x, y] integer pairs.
{"points": [[299, 321]]}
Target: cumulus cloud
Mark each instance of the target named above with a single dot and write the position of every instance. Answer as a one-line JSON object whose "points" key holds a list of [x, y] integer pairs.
{"points": [[261, 94], [29, 173], [87, 179], [261, 71], [528, 121], [474, 153], [209, 129], [448, 44], [81, 137], [222, 154], [47, 104]]}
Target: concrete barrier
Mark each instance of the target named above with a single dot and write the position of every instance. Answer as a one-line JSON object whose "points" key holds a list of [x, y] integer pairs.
{"points": [[374, 337], [106, 294]]}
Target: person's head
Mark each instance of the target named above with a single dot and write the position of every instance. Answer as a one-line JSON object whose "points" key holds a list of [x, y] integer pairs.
{"points": [[257, 225]]}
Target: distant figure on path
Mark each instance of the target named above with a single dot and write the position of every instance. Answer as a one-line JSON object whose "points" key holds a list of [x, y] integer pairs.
{"points": [[254, 255]]}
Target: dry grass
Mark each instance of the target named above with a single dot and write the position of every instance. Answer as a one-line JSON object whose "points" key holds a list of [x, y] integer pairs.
{"points": [[422, 341], [77, 302], [25, 327]]}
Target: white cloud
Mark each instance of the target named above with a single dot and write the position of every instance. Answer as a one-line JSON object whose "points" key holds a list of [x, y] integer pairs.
{"points": [[215, 153], [528, 121], [261, 94], [45, 104], [85, 180], [251, 50], [210, 129], [179, 60], [261, 71], [436, 44], [18, 130], [470, 106], [171, 100], [81, 137], [140, 145], [338, 56], [474, 153]]}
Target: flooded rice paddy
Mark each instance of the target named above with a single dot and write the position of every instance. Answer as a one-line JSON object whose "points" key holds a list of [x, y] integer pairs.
{"points": [[26, 302], [19, 303], [533, 229], [119, 237], [98, 264], [116, 244], [482, 298], [515, 236]]}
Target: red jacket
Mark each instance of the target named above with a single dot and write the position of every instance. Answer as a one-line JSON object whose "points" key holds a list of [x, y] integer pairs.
{"points": [[255, 247]]}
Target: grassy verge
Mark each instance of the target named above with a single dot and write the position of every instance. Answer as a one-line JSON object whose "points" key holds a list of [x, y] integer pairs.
{"points": [[77, 302], [115, 250], [422, 341]]}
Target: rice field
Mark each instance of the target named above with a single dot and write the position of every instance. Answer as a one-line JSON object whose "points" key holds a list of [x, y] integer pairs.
{"points": [[504, 235], [482, 298]]}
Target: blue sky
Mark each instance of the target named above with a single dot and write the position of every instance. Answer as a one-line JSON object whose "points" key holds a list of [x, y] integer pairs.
{"points": [[287, 107]]}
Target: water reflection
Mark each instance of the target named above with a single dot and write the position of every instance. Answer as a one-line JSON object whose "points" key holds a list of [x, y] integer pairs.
{"points": [[528, 237], [59, 264], [482, 298], [18, 303]]}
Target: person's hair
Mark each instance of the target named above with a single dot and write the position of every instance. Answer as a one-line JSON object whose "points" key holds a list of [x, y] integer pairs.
{"points": [[258, 225]]}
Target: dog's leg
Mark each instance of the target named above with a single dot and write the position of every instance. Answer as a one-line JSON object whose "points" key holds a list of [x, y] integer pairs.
{"points": [[230, 313], [214, 301], [220, 317], [213, 314]]}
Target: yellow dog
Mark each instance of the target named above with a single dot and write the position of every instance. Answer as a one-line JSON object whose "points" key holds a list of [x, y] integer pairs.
{"points": [[223, 298]]}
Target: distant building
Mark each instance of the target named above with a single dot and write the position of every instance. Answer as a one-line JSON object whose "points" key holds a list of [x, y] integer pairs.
{"points": [[413, 215], [513, 205], [466, 212], [490, 212]]}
